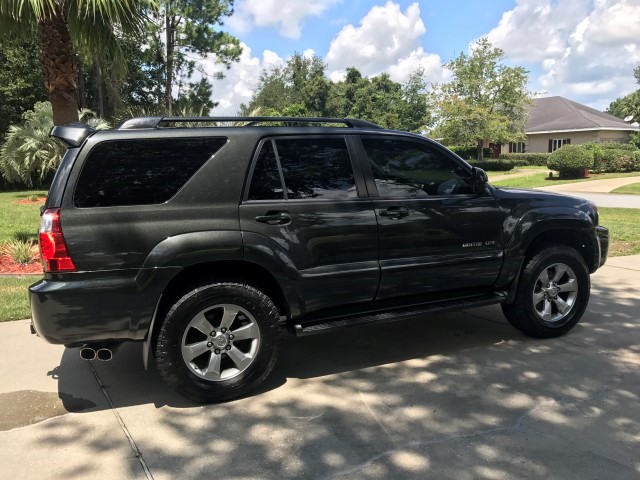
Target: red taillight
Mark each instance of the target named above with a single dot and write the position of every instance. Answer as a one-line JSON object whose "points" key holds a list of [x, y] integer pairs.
{"points": [[53, 250]]}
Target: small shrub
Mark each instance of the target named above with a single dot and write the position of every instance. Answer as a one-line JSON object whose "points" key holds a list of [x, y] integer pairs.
{"points": [[493, 165], [33, 198], [19, 251], [470, 153], [570, 160], [614, 160], [537, 159], [636, 161]]}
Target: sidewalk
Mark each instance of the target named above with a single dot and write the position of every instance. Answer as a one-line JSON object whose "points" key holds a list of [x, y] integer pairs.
{"points": [[456, 395]]}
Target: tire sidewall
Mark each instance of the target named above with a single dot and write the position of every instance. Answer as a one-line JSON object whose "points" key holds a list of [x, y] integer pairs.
{"points": [[530, 276], [174, 369]]}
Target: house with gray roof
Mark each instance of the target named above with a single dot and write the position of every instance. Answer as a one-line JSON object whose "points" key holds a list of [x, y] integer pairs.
{"points": [[556, 121]]}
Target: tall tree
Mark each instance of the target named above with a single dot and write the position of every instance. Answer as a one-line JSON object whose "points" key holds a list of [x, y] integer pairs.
{"points": [[629, 105], [180, 29], [63, 26], [485, 100]]}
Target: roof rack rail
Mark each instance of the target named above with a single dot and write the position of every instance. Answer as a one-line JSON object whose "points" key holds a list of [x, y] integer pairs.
{"points": [[155, 122]]}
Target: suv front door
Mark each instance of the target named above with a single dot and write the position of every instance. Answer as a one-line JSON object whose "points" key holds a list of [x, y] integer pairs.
{"points": [[307, 203], [436, 234]]}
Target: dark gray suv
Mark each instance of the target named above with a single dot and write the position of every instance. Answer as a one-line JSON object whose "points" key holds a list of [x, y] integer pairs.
{"points": [[205, 240]]}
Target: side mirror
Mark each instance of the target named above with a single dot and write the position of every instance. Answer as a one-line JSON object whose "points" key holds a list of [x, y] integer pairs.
{"points": [[480, 180]]}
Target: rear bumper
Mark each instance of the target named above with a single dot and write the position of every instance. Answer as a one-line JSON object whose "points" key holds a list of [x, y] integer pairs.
{"points": [[78, 308]]}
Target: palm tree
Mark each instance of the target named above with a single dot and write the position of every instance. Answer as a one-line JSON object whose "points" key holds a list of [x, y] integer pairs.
{"points": [[63, 27], [29, 155]]}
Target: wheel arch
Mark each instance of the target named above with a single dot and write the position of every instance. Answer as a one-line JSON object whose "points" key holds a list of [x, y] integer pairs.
{"points": [[198, 274]]}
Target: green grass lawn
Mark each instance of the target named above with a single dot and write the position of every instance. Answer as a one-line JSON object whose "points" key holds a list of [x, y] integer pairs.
{"points": [[540, 180], [18, 221], [624, 230], [634, 188], [516, 170], [14, 299]]}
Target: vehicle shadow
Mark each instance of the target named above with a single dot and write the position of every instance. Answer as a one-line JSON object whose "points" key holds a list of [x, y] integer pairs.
{"points": [[346, 350]]}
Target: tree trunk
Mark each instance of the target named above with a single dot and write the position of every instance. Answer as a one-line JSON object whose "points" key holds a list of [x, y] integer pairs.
{"points": [[100, 86], [480, 150], [59, 67], [169, 64]]}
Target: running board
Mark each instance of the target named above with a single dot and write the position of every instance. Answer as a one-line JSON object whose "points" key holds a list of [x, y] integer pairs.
{"points": [[327, 325]]}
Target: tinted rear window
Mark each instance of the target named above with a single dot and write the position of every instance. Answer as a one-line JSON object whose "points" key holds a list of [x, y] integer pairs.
{"points": [[140, 172]]}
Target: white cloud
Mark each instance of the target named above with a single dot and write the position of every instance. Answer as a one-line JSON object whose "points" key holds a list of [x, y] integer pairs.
{"points": [[241, 80], [286, 15], [585, 49], [386, 40]]}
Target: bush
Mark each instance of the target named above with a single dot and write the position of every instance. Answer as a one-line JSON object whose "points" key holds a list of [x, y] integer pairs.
{"points": [[636, 161], [538, 159], [493, 165], [470, 153], [614, 160], [29, 157], [570, 160], [22, 252]]}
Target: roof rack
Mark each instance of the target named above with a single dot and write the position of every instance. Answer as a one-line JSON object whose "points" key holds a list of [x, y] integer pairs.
{"points": [[155, 122]]}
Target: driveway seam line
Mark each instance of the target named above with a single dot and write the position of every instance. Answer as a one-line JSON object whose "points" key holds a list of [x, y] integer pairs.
{"points": [[123, 426]]}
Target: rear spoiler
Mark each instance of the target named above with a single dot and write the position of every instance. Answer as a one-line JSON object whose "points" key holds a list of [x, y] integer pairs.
{"points": [[72, 134]]}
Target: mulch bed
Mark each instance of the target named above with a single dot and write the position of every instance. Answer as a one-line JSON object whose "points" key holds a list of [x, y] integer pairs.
{"points": [[26, 201], [8, 266]]}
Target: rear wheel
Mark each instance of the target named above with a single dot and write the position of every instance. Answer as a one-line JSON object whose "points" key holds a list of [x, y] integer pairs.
{"points": [[218, 342], [552, 295]]}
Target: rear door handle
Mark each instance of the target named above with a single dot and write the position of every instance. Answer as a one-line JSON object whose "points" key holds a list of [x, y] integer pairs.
{"points": [[275, 218], [395, 213]]}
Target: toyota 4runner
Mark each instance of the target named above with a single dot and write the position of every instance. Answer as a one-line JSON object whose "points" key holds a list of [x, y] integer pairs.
{"points": [[205, 238]]}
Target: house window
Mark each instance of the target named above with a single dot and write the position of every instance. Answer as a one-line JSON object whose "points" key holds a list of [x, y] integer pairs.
{"points": [[556, 143], [517, 147]]}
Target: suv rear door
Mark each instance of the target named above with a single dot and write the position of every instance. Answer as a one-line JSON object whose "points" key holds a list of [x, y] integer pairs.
{"points": [[306, 201], [435, 233]]}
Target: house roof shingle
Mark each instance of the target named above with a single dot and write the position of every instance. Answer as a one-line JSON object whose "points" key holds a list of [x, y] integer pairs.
{"points": [[558, 114]]}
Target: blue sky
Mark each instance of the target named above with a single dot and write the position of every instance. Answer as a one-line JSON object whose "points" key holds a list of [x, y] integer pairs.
{"points": [[581, 49]]}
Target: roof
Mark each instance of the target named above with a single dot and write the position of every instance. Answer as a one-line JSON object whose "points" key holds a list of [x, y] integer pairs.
{"points": [[559, 114]]}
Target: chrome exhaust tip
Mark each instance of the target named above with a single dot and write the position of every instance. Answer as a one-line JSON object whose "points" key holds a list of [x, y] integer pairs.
{"points": [[104, 354], [87, 353]]}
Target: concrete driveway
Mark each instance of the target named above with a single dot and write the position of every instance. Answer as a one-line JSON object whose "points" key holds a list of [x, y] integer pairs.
{"points": [[454, 396]]}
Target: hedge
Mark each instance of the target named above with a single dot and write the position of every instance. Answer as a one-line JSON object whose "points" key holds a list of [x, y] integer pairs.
{"points": [[570, 160], [470, 152], [539, 159], [616, 160], [493, 165], [636, 161]]}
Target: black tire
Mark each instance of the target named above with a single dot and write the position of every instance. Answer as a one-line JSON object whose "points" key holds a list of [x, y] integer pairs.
{"points": [[527, 316], [184, 376]]}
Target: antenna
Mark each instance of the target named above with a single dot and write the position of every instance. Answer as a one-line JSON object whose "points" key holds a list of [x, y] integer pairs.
{"points": [[628, 118]]}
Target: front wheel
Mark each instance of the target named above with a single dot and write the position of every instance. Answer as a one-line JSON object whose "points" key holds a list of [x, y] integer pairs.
{"points": [[552, 294], [218, 342]]}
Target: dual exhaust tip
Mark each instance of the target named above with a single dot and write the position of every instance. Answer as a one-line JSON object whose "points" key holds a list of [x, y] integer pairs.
{"points": [[102, 354]]}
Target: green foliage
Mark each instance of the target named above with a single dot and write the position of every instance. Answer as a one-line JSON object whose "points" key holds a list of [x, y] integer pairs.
{"points": [[634, 139], [536, 159], [611, 160], [29, 155], [493, 165], [470, 152], [636, 161], [570, 160], [177, 31], [627, 106], [22, 252], [302, 86], [485, 100], [20, 79]]}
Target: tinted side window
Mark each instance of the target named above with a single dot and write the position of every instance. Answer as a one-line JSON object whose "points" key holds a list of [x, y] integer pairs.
{"points": [[265, 182], [403, 168], [140, 172], [316, 168]]}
